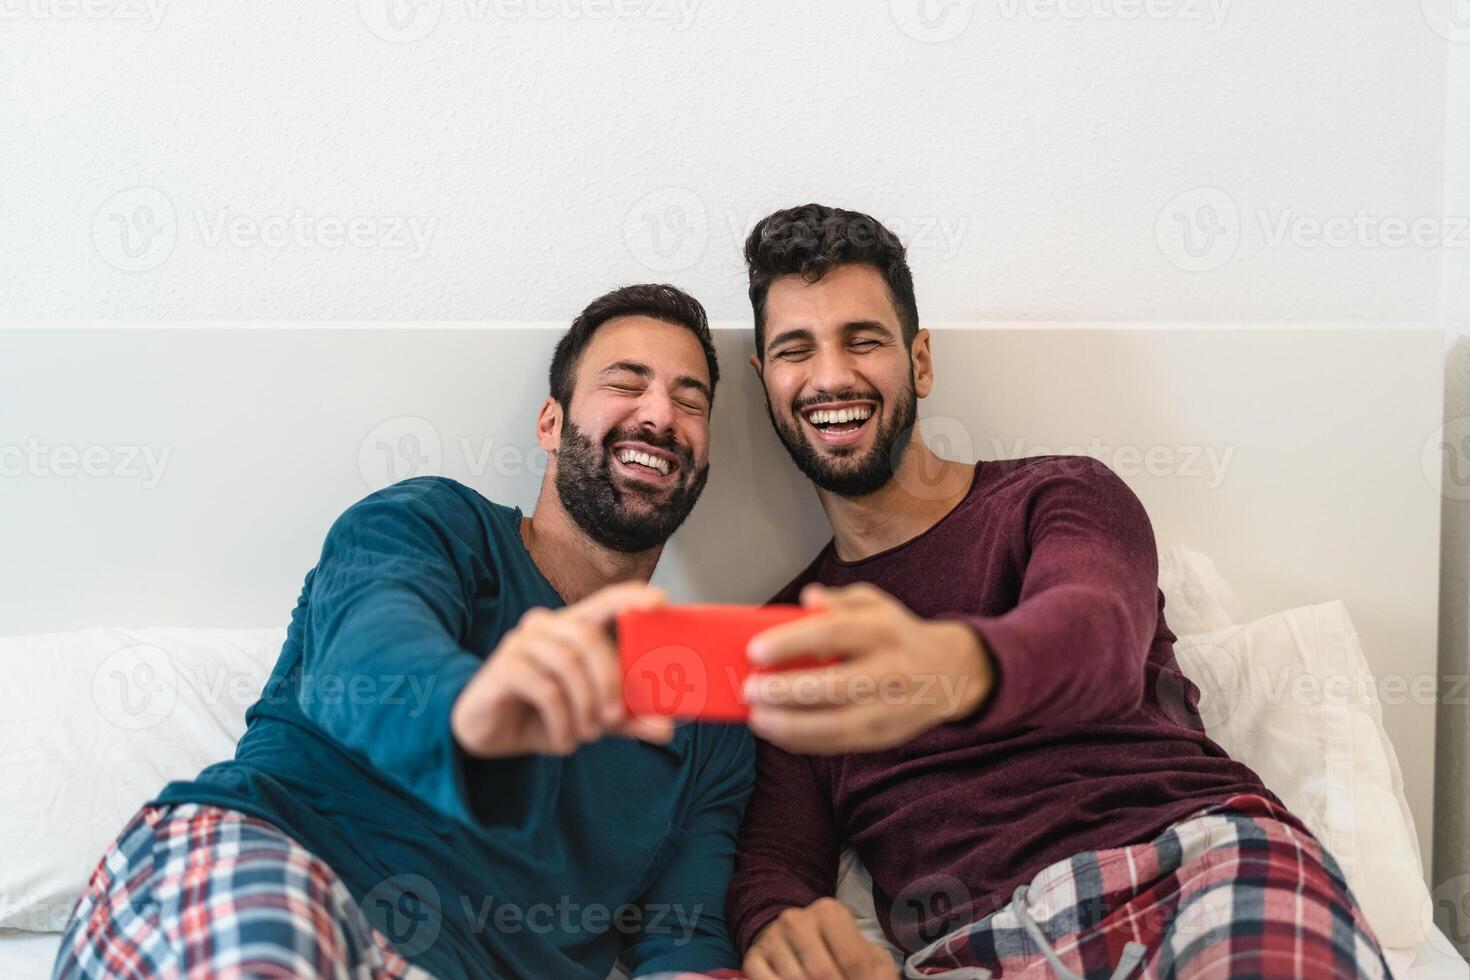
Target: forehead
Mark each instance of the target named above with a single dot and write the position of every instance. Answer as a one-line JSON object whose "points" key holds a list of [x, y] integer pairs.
{"points": [[666, 348], [846, 294]]}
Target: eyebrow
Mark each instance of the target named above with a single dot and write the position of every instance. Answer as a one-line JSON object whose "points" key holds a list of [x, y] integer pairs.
{"points": [[646, 373], [802, 333]]}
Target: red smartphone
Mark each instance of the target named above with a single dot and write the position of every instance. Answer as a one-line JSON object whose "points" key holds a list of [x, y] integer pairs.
{"points": [[689, 662]]}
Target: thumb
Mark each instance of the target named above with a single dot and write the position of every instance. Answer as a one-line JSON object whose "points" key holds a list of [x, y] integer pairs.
{"points": [[654, 729], [602, 606], [815, 595]]}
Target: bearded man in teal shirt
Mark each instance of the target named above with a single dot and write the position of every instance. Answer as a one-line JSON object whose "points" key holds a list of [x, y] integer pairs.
{"points": [[440, 779]]}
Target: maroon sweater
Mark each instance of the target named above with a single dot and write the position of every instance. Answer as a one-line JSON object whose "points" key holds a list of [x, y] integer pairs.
{"points": [[1088, 740]]}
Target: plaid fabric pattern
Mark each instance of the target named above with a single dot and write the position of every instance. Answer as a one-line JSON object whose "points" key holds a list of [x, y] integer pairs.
{"points": [[199, 891], [1235, 891]]}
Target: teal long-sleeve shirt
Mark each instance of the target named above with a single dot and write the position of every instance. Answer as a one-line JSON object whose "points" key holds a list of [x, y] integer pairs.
{"points": [[532, 867]]}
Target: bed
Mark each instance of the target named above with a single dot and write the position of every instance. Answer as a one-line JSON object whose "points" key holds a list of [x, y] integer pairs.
{"points": [[1256, 447]]}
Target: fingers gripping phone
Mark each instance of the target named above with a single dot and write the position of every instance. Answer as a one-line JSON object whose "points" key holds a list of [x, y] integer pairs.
{"points": [[689, 662]]}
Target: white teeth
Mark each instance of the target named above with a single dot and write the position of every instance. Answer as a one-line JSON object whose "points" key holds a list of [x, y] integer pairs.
{"points": [[828, 416], [646, 459]]}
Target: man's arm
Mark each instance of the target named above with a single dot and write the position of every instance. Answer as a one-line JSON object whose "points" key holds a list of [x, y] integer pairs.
{"points": [[684, 926], [781, 910], [389, 599], [1072, 649], [789, 845]]}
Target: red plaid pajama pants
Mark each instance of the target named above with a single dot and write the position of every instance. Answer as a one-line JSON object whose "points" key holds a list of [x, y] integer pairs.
{"points": [[1235, 891], [198, 891]]}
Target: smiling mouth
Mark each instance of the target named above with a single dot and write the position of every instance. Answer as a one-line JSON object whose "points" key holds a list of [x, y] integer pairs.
{"points": [[646, 464], [839, 424]]}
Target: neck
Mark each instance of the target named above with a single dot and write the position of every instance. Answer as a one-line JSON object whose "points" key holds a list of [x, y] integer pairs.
{"points": [[924, 488], [574, 564]]}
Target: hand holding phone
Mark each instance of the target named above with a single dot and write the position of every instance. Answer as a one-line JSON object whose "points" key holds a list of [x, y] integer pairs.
{"points": [[689, 662]]}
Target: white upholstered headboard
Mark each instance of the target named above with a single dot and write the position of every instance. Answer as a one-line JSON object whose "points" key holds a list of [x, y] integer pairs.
{"points": [[185, 475]]}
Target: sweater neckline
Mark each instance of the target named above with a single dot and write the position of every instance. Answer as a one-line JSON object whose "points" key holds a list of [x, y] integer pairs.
{"points": [[888, 552]]}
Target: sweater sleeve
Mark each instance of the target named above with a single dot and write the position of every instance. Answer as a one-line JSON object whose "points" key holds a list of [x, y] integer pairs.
{"points": [[1074, 646], [388, 601], [789, 844]]}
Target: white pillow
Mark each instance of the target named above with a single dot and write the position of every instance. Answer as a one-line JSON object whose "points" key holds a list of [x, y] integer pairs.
{"points": [[1291, 695], [92, 725], [1196, 598], [1330, 762]]}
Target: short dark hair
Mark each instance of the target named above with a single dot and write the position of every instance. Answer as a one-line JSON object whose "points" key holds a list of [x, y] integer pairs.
{"points": [[658, 301], [814, 238]]}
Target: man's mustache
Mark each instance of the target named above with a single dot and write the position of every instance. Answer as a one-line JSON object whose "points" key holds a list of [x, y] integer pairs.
{"points": [[802, 404]]}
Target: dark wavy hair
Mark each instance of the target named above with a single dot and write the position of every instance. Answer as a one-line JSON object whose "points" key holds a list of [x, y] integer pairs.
{"points": [[659, 301], [813, 238]]}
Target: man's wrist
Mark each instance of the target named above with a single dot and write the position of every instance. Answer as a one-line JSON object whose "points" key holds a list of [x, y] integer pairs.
{"points": [[972, 669], [468, 728]]}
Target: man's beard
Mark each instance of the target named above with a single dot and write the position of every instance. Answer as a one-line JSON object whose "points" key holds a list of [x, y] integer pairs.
{"points": [[840, 471], [584, 482]]}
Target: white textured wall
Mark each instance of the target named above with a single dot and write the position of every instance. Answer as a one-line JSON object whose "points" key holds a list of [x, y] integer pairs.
{"points": [[1032, 156]]}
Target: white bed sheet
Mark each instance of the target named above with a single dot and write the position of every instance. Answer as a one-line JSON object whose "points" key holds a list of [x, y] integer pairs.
{"points": [[29, 955], [1433, 961]]}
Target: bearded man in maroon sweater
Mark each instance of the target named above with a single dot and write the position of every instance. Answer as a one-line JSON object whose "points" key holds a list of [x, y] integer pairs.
{"points": [[1006, 739]]}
